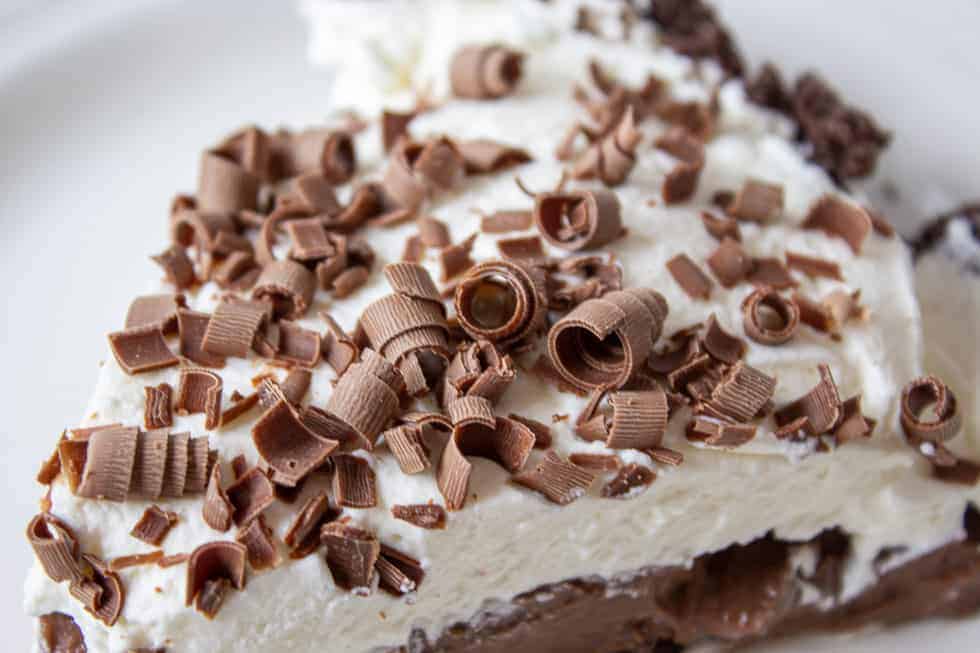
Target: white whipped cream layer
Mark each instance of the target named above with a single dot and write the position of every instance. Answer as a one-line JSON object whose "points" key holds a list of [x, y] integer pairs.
{"points": [[507, 539]]}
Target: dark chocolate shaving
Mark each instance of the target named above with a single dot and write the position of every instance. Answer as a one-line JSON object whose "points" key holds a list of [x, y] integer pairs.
{"points": [[525, 248], [770, 318], [303, 534], [689, 277], [485, 71], [398, 573], [557, 480], [478, 370], [456, 259], [771, 273], [364, 400], [339, 349], [223, 186], [296, 384], [943, 421], [692, 28], [425, 515], [611, 158], [434, 233], [141, 349]]}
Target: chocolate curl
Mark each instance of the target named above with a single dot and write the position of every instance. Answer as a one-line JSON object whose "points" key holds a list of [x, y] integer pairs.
{"points": [[223, 186], [778, 326], [261, 551], [944, 422], [423, 515], [579, 219], [217, 509], [485, 72], [351, 554], [681, 182], [141, 349], [628, 481], [354, 483], [249, 496], [604, 341], [289, 286], [287, 446], [479, 370], [249, 148], [365, 400], [612, 158], [558, 480], [730, 263], [821, 406], [193, 326], [177, 267], [149, 465], [398, 574], [483, 156], [408, 327], [303, 534], [841, 218], [502, 302], [722, 345], [55, 547], [720, 434], [232, 328], [110, 591], [191, 227], [394, 126], [417, 170], [328, 152], [408, 447], [339, 349], [200, 392], [154, 525], [154, 310], [212, 562], [110, 457], [157, 410], [743, 393]]}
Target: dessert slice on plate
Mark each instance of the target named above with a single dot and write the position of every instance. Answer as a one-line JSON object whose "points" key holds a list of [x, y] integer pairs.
{"points": [[569, 348]]}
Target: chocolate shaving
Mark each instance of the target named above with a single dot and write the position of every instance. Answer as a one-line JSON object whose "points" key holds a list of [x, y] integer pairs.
{"points": [[757, 201], [224, 186], [154, 525], [456, 259], [813, 266], [692, 28], [249, 495], [135, 560], [260, 549], [729, 263], [303, 534], [327, 152], [770, 272], [414, 250], [289, 285], [478, 370], [351, 554], [149, 466], [200, 392], [425, 515], [611, 158], [354, 484], [841, 218], [720, 434], [721, 228], [176, 266], [434, 233], [190, 227], [141, 349], [580, 219], [298, 345], [398, 573], [484, 72], [821, 406], [689, 277], [394, 126], [943, 422], [639, 419], [365, 399], [604, 342], [55, 547], [309, 238], [154, 310], [558, 480], [742, 393], [287, 446], [484, 156], [852, 424], [596, 462], [722, 345], [111, 594], [109, 462], [296, 384], [629, 480], [193, 327], [681, 182], [58, 633], [683, 348], [777, 325], [339, 349], [502, 302], [526, 248], [217, 509], [212, 569], [406, 443], [198, 465], [156, 411], [503, 221]]}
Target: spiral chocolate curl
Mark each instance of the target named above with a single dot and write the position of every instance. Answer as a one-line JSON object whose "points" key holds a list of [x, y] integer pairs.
{"points": [[484, 72], [604, 341], [612, 158], [917, 396], [579, 219], [502, 302], [770, 332]]}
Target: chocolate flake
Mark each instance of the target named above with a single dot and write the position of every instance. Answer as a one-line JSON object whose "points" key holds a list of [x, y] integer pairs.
{"points": [[193, 327], [852, 424], [405, 442], [681, 182], [296, 384], [821, 406], [729, 263], [639, 419], [596, 462], [838, 217], [813, 266], [603, 342], [303, 534], [629, 481], [394, 126], [207, 566], [55, 547], [287, 445], [298, 345], [398, 573], [721, 228], [141, 349], [689, 277], [479, 370], [58, 633], [424, 515], [111, 594], [224, 186], [485, 71], [339, 349], [483, 156], [525, 248], [176, 266], [200, 392], [757, 201], [665, 456], [414, 250], [434, 233], [770, 272], [351, 554], [503, 221], [217, 509], [154, 525], [364, 400], [579, 219], [249, 495], [558, 480], [456, 259], [260, 549], [354, 484], [289, 285], [742, 393], [154, 310], [502, 302], [156, 412], [722, 345], [231, 329], [777, 324], [135, 560]]}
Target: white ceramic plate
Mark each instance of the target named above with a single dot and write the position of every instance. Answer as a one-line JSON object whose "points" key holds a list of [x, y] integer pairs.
{"points": [[106, 106]]}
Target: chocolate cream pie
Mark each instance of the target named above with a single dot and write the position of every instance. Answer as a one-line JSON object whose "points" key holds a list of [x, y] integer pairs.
{"points": [[563, 334]]}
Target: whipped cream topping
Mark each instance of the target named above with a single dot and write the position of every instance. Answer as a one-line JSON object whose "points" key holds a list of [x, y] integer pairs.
{"points": [[507, 539]]}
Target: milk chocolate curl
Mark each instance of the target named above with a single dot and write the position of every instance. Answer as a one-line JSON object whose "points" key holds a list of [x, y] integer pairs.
{"points": [[249, 148], [482, 156], [110, 591], [298, 345], [306, 525], [351, 554], [232, 328], [249, 495], [287, 445], [757, 201], [770, 272], [289, 285], [720, 434], [193, 326], [476, 432], [770, 318], [141, 349], [478, 370], [604, 341], [157, 411], [261, 551], [154, 525], [628, 482], [190, 227], [154, 310], [406, 443], [149, 466], [339, 349], [722, 345], [558, 480], [200, 392], [680, 183], [941, 423], [223, 186], [354, 483], [394, 125], [742, 393], [821, 406], [485, 72], [612, 158], [813, 266], [55, 547], [176, 266], [434, 233], [217, 509], [417, 170], [639, 419], [580, 219], [839, 217], [212, 562], [58, 633], [325, 151], [502, 302], [175, 466], [503, 221], [365, 400], [109, 464], [721, 228]]}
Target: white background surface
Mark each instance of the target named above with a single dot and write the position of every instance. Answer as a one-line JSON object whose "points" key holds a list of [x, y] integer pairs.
{"points": [[106, 105]]}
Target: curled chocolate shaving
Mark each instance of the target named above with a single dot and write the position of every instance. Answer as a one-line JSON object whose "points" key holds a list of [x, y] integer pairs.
{"points": [[193, 326], [611, 158], [628, 482], [434, 233], [324, 151], [303, 534], [351, 554], [109, 462], [200, 392], [500, 222], [141, 349], [483, 156], [223, 186], [135, 560], [417, 170], [730, 263], [424, 515], [249, 495], [296, 384], [405, 442], [558, 480], [149, 466], [841, 218], [339, 349], [309, 238], [213, 562], [483, 72], [398, 573], [55, 547], [260, 549], [456, 259], [217, 509], [190, 227], [777, 324], [639, 419], [942, 424], [720, 434], [742, 392], [289, 285], [110, 591], [414, 250], [682, 181], [394, 125], [603, 342], [502, 302], [813, 266], [354, 484], [287, 446], [249, 148], [364, 400], [852, 424], [154, 525], [757, 201], [524, 248], [580, 219], [349, 280], [722, 345], [542, 432], [478, 370], [772, 273], [298, 345], [232, 328], [154, 310], [821, 406], [689, 277], [157, 411], [721, 228]]}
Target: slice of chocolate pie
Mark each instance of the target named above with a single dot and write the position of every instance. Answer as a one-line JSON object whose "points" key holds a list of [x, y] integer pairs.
{"points": [[559, 343]]}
